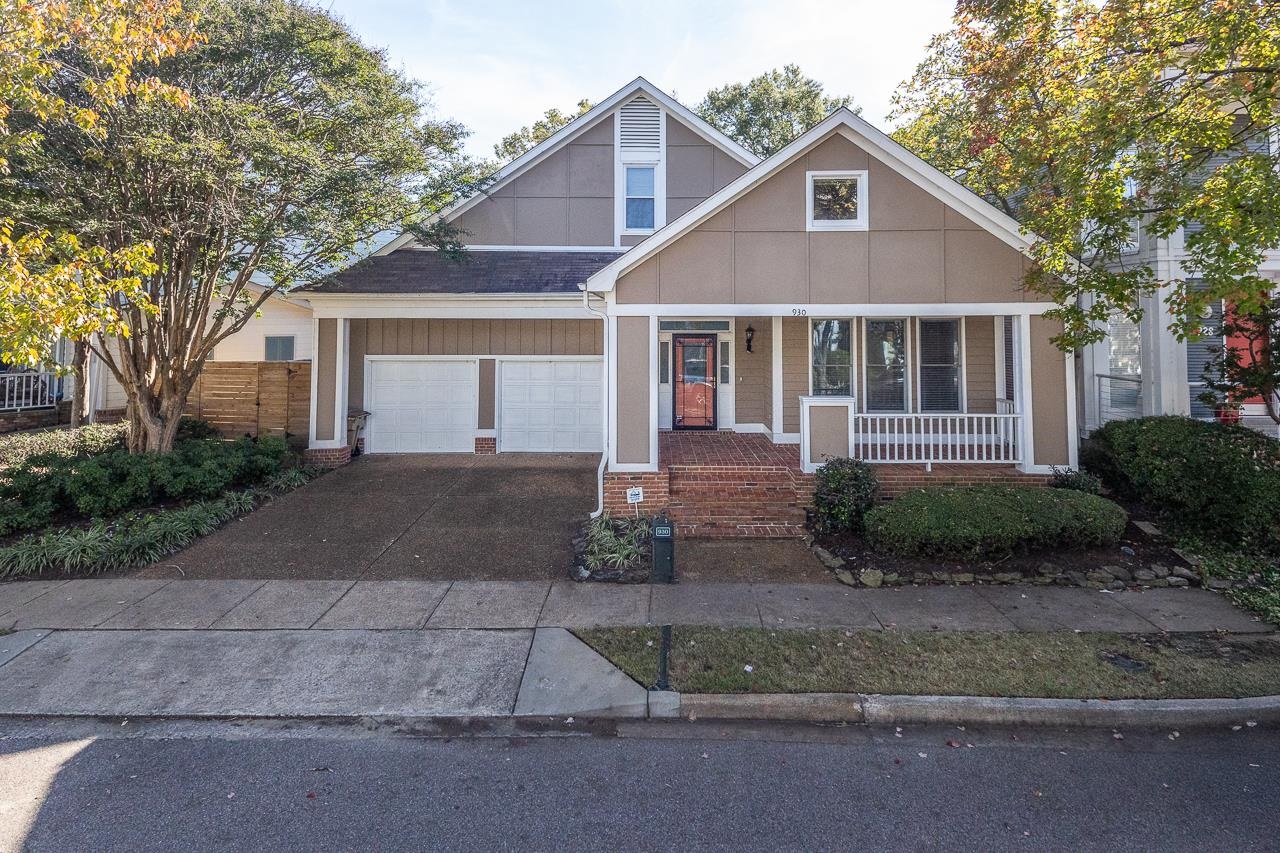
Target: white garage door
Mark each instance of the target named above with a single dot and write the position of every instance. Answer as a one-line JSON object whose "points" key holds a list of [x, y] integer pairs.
{"points": [[421, 406], [551, 406]]}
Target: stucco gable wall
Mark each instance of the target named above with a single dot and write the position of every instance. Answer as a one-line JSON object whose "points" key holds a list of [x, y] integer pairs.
{"points": [[916, 248]]}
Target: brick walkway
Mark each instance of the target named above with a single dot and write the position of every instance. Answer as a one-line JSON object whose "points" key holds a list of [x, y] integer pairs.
{"points": [[139, 604]]}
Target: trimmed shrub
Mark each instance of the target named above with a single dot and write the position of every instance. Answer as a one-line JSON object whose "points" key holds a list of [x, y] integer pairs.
{"points": [[1079, 481], [992, 522], [89, 440], [1217, 480], [108, 484], [846, 489]]}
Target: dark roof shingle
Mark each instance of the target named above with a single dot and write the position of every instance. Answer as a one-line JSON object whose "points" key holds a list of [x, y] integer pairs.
{"points": [[410, 271]]}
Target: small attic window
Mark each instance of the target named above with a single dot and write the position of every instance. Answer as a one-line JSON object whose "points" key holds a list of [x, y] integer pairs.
{"points": [[836, 201]]}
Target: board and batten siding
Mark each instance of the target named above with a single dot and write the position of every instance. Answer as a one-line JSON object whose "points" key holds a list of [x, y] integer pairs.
{"points": [[753, 390], [757, 249]]}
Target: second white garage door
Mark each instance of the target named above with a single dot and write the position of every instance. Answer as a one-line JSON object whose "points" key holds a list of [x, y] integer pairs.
{"points": [[421, 406], [551, 406]]}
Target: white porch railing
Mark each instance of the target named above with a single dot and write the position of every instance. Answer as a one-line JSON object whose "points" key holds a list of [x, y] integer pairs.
{"points": [[1119, 397], [916, 439], [28, 390]]}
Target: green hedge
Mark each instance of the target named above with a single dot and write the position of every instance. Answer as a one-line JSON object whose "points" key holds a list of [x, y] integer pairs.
{"points": [[89, 440], [844, 490], [991, 522], [51, 486], [1212, 479]]}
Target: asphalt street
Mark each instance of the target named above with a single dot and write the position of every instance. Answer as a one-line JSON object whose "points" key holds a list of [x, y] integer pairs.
{"points": [[103, 786]]}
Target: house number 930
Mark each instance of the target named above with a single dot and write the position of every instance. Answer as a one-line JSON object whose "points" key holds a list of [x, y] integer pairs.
{"points": [[799, 312]]}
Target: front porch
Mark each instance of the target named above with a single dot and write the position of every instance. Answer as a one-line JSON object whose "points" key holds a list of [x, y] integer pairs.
{"points": [[727, 484]]}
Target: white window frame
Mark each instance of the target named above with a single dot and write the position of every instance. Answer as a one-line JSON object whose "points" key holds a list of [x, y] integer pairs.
{"points": [[638, 159], [858, 224], [266, 345], [962, 367], [853, 356], [908, 375]]}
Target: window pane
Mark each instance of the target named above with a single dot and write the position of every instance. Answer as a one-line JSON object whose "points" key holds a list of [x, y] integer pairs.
{"points": [[835, 199], [724, 362], [1009, 381], [639, 181], [693, 325], [886, 348], [279, 348], [939, 365], [664, 362], [832, 344], [639, 213]]}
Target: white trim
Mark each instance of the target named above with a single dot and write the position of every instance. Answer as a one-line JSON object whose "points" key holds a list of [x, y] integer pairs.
{"points": [[611, 389], [961, 367], [342, 380], [939, 310], [776, 387], [1023, 404], [754, 429], [806, 403], [653, 392], [860, 132], [499, 248], [315, 383], [574, 129], [999, 339], [397, 306], [1073, 434], [853, 355], [857, 224], [786, 438], [535, 357]]}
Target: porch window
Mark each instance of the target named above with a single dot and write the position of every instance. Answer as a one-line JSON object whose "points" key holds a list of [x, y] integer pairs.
{"points": [[939, 365], [832, 358], [886, 358]]}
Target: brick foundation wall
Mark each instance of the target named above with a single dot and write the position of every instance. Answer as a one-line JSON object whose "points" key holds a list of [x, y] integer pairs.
{"points": [[896, 479], [107, 416], [327, 457], [657, 492], [33, 418], [486, 445]]}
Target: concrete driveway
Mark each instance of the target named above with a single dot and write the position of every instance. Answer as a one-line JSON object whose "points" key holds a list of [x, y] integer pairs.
{"points": [[428, 516]]}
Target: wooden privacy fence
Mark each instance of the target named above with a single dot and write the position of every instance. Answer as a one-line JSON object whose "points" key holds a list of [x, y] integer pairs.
{"points": [[254, 398]]}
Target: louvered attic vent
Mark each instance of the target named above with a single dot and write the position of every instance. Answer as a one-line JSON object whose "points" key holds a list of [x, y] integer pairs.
{"points": [[640, 125]]}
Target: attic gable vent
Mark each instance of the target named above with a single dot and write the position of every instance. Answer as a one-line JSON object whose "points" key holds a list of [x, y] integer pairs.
{"points": [[640, 125]]}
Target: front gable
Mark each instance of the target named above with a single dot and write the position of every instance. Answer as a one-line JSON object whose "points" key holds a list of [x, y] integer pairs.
{"points": [[921, 241]]}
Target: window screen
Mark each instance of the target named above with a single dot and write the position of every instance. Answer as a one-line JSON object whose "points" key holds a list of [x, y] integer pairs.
{"points": [[939, 346], [832, 349], [886, 349], [640, 196], [279, 347], [1009, 384]]}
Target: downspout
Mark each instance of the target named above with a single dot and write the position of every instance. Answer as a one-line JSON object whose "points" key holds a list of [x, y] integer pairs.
{"points": [[604, 453]]}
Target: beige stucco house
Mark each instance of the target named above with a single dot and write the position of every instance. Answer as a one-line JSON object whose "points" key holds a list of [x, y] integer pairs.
{"points": [[714, 326]]}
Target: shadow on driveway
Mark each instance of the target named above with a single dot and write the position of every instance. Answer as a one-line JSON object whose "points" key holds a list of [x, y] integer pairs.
{"points": [[428, 516]]}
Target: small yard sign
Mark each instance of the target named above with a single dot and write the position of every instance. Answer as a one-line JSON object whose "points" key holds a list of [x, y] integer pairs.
{"points": [[635, 495]]}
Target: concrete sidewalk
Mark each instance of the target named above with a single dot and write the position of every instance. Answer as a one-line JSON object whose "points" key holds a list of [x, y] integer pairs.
{"points": [[236, 605]]}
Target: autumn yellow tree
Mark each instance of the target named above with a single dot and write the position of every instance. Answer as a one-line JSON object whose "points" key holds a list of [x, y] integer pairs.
{"points": [[51, 283], [1084, 119]]}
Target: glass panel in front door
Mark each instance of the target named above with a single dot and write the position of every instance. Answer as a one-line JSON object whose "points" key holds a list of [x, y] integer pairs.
{"points": [[695, 382]]}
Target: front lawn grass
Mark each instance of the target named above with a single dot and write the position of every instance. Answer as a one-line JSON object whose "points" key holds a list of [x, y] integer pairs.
{"points": [[1048, 665]]}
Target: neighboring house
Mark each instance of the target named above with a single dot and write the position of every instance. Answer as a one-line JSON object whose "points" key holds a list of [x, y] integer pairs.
{"points": [[1142, 369], [640, 286], [282, 330]]}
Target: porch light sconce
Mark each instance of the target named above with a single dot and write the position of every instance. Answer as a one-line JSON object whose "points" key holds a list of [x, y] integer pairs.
{"points": [[751, 336]]}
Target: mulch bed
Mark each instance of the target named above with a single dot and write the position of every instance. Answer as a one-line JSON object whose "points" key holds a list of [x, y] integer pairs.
{"points": [[637, 571]]}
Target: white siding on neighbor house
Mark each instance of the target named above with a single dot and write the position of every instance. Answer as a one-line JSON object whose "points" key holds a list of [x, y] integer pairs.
{"points": [[277, 317]]}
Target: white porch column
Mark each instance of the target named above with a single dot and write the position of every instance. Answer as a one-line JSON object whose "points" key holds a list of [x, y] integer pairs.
{"points": [[1022, 377]]}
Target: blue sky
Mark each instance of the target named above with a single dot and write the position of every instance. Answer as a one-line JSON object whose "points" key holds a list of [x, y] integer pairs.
{"points": [[495, 65]]}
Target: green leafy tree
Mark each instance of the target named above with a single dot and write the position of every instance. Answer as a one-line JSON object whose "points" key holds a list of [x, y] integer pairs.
{"points": [[297, 144], [768, 111], [1247, 365], [1082, 119], [515, 144]]}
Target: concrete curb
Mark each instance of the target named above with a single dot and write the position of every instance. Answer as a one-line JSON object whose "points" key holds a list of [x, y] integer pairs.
{"points": [[978, 710]]}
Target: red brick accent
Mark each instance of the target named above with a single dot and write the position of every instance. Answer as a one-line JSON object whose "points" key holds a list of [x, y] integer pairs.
{"points": [[486, 445], [109, 415], [327, 457], [656, 485], [896, 479], [34, 418]]}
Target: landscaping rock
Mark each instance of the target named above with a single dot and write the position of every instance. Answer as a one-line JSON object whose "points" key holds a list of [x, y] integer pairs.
{"points": [[871, 577], [1116, 586], [1185, 573], [892, 579], [1178, 581], [921, 577], [1161, 570], [1007, 577], [846, 577], [1120, 573], [1048, 569], [1100, 576], [962, 577], [1218, 583], [1076, 578], [831, 561], [1143, 575], [1148, 528]]}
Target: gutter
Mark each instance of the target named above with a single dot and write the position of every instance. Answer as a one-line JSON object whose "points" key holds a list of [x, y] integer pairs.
{"points": [[604, 453]]}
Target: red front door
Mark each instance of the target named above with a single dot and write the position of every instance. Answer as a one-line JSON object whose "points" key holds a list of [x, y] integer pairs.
{"points": [[694, 406]]}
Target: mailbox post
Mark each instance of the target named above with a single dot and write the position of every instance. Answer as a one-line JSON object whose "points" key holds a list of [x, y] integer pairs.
{"points": [[664, 551]]}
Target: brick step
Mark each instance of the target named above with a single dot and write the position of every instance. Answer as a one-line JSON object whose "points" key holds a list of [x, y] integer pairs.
{"points": [[736, 515], [741, 531], [717, 496]]}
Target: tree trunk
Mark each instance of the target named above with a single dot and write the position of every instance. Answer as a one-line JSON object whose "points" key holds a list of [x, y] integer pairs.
{"points": [[153, 424], [80, 395]]}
